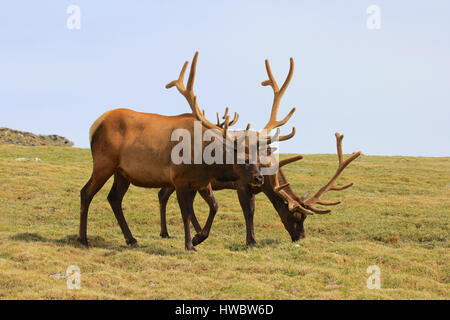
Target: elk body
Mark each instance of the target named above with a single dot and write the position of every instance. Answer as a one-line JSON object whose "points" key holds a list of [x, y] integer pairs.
{"points": [[136, 148]]}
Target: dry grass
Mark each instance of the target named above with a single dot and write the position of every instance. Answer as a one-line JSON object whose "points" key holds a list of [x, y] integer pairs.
{"points": [[396, 216]]}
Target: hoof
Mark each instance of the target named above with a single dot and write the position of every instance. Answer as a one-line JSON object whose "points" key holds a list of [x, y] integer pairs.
{"points": [[191, 248], [84, 243], [199, 238], [164, 235], [133, 243]]}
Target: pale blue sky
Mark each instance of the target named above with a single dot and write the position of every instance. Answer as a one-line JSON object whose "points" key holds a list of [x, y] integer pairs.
{"points": [[387, 90]]}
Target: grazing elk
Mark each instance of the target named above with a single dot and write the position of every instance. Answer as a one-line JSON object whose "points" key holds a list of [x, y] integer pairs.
{"points": [[136, 148], [291, 208], [240, 184]]}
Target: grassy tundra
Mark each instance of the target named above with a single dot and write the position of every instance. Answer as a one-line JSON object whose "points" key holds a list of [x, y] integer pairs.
{"points": [[396, 217]]}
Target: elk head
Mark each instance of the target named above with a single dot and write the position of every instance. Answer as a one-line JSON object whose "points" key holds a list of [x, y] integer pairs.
{"points": [[292, 209]]}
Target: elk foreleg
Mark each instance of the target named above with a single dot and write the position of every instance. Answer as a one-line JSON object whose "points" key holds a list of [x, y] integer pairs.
{"points": [[247, 202], [185, 198]]}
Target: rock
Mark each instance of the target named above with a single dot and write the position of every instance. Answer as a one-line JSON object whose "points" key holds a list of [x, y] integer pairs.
{"points": [[10, 136]]}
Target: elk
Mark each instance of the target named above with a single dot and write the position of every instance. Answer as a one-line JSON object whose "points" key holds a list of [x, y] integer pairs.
{"points": [[291, 208], [136, 148]]}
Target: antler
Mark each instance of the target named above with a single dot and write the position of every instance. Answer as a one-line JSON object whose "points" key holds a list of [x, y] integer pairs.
{"points": [[278, 94], [331, 185], [188, 93], [294, 206], [226, 122]]}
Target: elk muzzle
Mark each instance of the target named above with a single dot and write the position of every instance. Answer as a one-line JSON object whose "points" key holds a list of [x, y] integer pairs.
{"points": [[258, 179]]}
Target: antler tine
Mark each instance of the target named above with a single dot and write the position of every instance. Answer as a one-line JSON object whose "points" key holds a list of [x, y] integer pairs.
{"points": [[278, 94], [339, 138], [179, 82], [289, 76], [191, 79], [286, 161], [232, 122], [331, 185], [271, 81], [224, 117], [188, 92], [277, 137], [218, 119], [327, 203], [288, 136], [226, 122], [293, 205], [226, 113], [235, 119]]}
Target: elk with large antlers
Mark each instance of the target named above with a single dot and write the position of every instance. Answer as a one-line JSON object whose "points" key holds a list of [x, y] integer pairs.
{"points": [[292, 209], [136, 148]]}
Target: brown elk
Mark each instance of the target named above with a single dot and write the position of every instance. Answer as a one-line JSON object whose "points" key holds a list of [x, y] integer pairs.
{"points": [[240, 184], [136, 148], [291, 208]]}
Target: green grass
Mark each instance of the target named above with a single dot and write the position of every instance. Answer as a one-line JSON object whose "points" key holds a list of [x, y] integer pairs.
{"points": [[396, 217]]}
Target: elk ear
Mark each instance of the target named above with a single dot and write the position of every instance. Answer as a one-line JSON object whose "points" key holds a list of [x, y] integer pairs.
{"points": [[301, 213]]}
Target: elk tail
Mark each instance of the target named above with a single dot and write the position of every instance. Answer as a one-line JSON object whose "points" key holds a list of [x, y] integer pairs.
{"points": [[95, 126]]}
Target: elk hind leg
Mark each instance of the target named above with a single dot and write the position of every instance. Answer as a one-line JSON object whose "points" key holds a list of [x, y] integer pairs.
{"points": [[163, 196], [208, 196], [194, 220], [115, 197], [98, 178]]}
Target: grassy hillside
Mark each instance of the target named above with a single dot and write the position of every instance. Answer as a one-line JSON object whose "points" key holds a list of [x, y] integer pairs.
{"points": [[396, 217]]}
